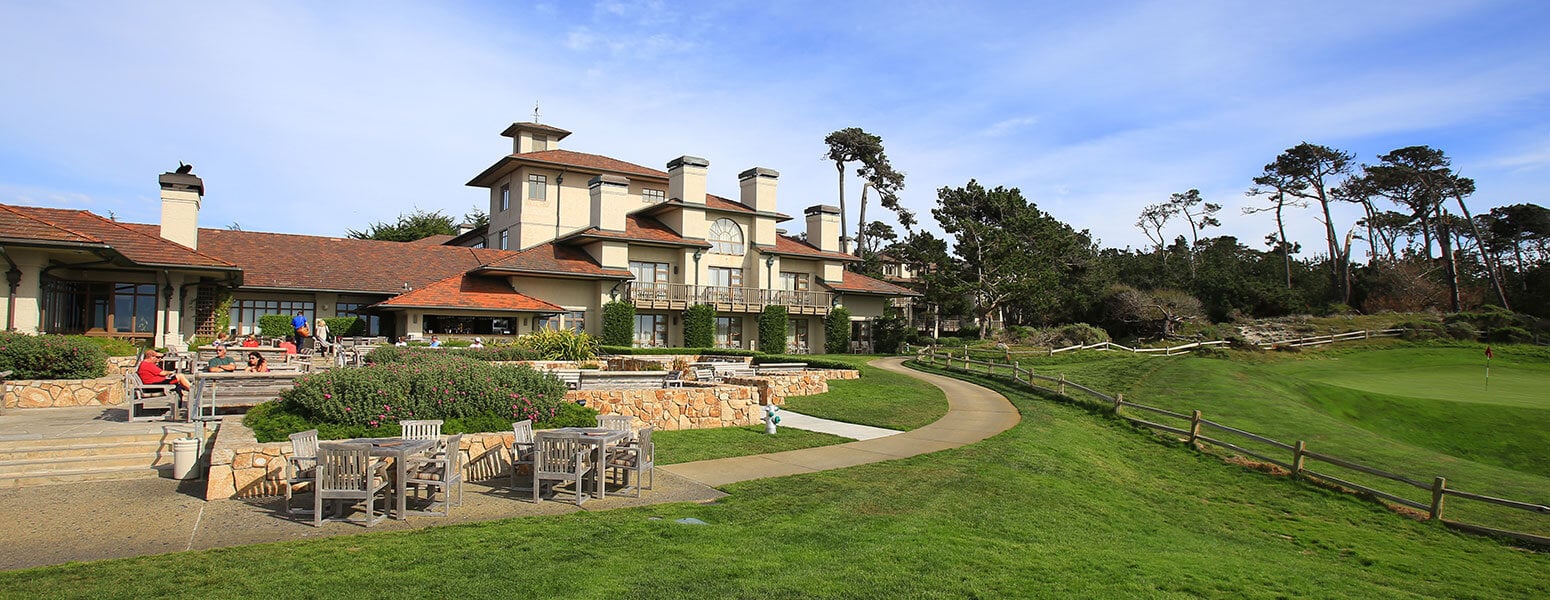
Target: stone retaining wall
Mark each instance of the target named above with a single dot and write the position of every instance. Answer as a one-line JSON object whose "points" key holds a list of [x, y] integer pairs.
{"points": [[689, 407], [59, 393], [241, 467], [663, 362], [117, 365], [774, 389]]}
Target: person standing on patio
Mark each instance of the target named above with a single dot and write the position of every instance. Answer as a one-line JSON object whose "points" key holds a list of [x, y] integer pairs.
{"points": [[299, 323], [320, 335]]}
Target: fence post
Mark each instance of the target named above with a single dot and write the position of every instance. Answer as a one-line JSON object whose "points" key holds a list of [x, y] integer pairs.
{"points": [[1194, 427], [1297, 451], [1016, 364], [1062, 384], [1119, 400], [1439, 485]]}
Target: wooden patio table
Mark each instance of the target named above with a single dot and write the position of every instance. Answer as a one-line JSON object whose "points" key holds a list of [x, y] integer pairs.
{"points": [[398, 449], [600, 439]]}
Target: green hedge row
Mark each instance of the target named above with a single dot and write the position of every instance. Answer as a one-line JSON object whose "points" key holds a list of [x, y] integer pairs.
{"points": [[399, 354], [51, 356], [630, 350], [700, 326], [817, 363]]}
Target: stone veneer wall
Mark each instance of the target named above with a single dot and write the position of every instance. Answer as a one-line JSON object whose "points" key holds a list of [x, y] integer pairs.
{"points": [[59, 393], [661, 362], [241, 467], [774, 389], [694, 406]]}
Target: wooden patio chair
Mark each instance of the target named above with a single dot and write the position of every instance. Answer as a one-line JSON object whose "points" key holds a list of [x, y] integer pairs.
{"points": [[639, 458], [300, 466], [674, 379], [625, 423], [348, 472], [429, 429], [141, 394], [558, 459], [442, 472], [521, 447]]}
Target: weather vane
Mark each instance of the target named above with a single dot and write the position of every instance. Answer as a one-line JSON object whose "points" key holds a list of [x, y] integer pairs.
{"points": [[535, 112]]}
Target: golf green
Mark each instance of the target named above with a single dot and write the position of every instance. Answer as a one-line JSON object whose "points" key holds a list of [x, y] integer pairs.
{"points": [[1453, 374]]}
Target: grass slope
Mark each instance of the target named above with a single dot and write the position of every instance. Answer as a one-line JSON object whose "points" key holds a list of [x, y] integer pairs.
{"points": [[880, 398], [1065, 504], [689, 445]]}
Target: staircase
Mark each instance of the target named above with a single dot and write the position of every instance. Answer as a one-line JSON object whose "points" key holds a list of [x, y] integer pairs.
{"points": [[30, 462]]}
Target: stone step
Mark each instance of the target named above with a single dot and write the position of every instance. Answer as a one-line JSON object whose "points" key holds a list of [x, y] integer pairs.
{"points": [[30, 442], [83, 450], [81, 475], [34, 466]]}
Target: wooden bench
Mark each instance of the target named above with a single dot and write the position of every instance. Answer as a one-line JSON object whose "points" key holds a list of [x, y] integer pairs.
{"points": [[214, 391], [149, 401], [779, 368]]}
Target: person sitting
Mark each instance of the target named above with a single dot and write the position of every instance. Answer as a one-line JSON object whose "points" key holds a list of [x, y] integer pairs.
{"points": [[221, 340], [435, 342], [250, 342], [151, 373], [401, 342], [256, 363], [288, 346], [221, 363], [478, 343]]}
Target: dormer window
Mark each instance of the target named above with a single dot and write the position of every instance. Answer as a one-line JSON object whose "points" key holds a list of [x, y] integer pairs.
{"points": [[725, 237], [540, 143], [653, 196]]}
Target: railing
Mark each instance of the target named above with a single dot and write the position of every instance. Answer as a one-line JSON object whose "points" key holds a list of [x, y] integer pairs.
{"points": [[729, 298], [1291, 457]]}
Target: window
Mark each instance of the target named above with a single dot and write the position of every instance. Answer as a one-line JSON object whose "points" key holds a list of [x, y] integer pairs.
{"points": [[504, 239], [725, 284], [729, 332], [505, 197], [467, 325], [650, 279], [537, 187], [118, 308], [576, 321], [546, 322], [653, 196], [355, 309], [796, 336], [540, 143], [725, 237], [794, 282], [245, 313], [651, 330]]}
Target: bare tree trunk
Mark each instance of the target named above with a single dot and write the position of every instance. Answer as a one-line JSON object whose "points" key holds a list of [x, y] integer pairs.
{"points": [[1490, 262], [1286, 247], [844, 230], [1334, 245], [861, 223], [1449, 267]]}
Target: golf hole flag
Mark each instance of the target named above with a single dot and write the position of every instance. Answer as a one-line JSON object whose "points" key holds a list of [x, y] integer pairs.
{"points": [[1488, 352]]}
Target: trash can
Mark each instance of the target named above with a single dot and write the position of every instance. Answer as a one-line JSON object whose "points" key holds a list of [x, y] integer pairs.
{"points": [[185, 458]]}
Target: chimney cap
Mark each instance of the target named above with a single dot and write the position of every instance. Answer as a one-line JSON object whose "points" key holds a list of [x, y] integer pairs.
{"points": [[687, 161], [178, 181], [821, 209], [758, 172], [608, 179]]}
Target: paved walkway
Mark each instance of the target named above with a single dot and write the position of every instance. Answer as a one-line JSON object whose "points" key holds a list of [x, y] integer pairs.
{"points": [[973, 414], [113, 519], [853, 431]]}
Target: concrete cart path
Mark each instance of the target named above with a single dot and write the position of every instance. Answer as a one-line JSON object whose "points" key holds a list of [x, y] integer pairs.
{"points": [[973, 414], [853, 431]]}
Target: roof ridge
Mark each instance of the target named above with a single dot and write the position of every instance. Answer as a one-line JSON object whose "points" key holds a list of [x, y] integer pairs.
{"points": [[129, 229]]}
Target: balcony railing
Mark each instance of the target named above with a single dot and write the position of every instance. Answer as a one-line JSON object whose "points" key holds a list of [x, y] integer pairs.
{"points": [[678, 296]]}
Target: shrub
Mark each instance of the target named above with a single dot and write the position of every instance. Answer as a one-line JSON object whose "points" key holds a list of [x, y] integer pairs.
{"points": [[560, 344], [51, 356], [772, 329], [572, 414], [426, 387], [628, 350], [1421, 330], [1462, 330], [618, 324], [112, 346], [394, 354], [1511, 335], [343, 326], [836, 331], [700, 326], [888, 331], [276, 326], [1080, 333]]}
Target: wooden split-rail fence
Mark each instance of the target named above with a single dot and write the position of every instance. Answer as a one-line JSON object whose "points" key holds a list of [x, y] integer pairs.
{"points": [[1297, 458], [1317, 340]]}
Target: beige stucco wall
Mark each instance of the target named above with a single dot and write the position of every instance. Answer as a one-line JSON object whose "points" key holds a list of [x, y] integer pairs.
{"points": [[864, 306]]}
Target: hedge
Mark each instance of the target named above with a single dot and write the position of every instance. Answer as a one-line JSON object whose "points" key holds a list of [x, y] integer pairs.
{"points": [[630, 350], [772, 329], [836, 329], [817, 363], [618, 323], [51, 356], [343, 326], [427, 387], [276, 326], [700, 326], [399, 354]]}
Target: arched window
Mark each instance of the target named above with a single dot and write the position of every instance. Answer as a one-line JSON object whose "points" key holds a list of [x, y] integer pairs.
{"points": [[726, 237]]}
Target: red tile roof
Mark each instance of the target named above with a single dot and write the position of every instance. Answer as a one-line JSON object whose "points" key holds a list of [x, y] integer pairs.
{"points": [[470, 292], [433, 240], [856, 283], [289, 261], [590, 161], [639, 228], [134, 242], [787, 245], [551, 259]]}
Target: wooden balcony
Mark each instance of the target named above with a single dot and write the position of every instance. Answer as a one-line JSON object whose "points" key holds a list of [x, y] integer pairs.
{"points": [[679, 296]]}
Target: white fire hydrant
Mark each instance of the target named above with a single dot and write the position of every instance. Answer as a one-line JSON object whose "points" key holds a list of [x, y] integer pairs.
{"points": [[770, 418]]}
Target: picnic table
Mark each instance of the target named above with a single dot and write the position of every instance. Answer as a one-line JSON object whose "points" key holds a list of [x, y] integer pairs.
{"points": [[213, 391]]}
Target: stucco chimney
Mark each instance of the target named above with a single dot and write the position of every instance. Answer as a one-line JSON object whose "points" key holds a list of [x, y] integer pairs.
{"points": [[823, 227], [686, 179], [609, 194], [758, 188], [181, 194]]}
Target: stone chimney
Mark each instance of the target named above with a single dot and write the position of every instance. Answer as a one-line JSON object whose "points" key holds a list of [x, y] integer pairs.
{"points": [[686, 179], [181, 193], [758, 188], [823, 227], [609, 194]]}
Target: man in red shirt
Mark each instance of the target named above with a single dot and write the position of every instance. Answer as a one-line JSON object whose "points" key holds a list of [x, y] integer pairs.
{"points": [[150, 372]]}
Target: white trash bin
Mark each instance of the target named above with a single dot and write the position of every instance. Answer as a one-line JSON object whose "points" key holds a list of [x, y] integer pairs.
{"points": [[185, 458]]}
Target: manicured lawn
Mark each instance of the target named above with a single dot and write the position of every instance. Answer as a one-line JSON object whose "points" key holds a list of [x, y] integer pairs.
{"points": [[879, 398], [704, 444], [1066, 504]]}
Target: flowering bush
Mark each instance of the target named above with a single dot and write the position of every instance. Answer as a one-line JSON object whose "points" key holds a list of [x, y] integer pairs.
{"points": [[51, 356], [426, 387], [397, 354]]}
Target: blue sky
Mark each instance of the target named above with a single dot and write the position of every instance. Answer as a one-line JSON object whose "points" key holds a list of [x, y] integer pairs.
{"points": [[320, 117]]}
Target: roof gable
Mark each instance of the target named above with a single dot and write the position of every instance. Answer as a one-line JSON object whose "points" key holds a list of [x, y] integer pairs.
{"points": [[133, 241]]}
